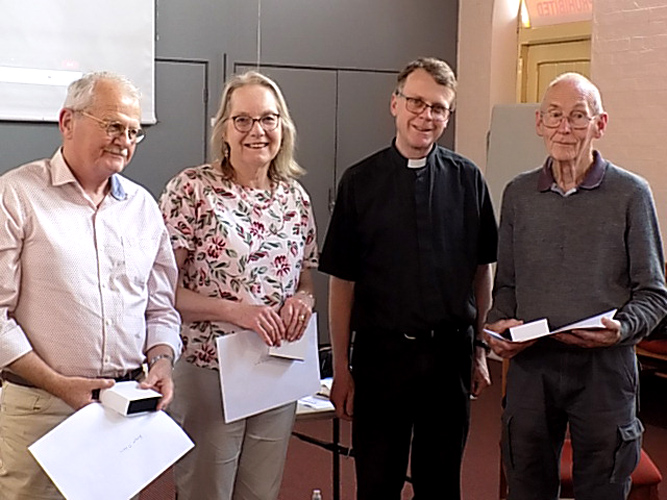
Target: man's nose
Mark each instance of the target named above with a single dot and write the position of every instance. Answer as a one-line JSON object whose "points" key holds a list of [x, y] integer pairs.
{"points": [[564, 124], [427, 112]]}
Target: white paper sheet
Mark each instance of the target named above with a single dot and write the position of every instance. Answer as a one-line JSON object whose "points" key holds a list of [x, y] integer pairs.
{"points": [[253, 381], [97, 453], [291, 350], [310, 403], [594, 322], [540, 328]]}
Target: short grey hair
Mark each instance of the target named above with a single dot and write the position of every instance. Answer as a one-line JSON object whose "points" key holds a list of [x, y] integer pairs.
{"points": [[592, 92], [81, 92]]}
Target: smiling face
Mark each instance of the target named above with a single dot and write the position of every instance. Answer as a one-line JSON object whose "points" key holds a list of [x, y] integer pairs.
{"points": [[256, 148], [417, 132], [563, 142], [92, 155]]}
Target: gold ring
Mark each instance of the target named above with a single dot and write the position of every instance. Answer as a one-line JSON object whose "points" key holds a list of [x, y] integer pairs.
{"points": [[302, 317]]}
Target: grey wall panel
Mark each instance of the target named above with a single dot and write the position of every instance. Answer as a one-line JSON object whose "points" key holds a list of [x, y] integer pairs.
{"points": [[379, 34], [178, 140], [23, 142], [365, 124]]}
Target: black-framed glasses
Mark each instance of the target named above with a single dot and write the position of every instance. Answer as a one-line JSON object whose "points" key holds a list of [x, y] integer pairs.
{"points": [[116, 129], [577, 119], [417, 106], [245, 123]]}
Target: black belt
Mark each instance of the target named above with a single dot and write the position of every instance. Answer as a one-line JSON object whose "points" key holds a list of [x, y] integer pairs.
{"points": [[13, 378], [416, 334]]}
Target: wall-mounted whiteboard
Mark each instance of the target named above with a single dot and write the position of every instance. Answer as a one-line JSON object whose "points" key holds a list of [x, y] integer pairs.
{"points": [[46, 44], [514, 146]]}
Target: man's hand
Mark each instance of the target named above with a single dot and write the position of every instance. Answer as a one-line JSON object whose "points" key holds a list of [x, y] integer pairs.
{"points": [[78, 391], [503, 348], [608, 336], [481, 379], [342, 395], [159, 379]]}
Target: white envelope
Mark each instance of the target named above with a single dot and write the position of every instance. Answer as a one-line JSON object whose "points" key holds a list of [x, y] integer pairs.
{"points": [[253, 381], [98, 453]]}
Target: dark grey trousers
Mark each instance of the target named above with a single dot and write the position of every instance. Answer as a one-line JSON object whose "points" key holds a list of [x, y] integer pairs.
{"points": [[594, 391]]}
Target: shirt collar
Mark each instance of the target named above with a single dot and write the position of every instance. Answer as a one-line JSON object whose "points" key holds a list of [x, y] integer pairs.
{"points": [[593, 178], [117, 190], [61, 175], [427, 160]]}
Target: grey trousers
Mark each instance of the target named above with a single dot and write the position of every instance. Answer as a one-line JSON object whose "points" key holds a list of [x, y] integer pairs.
{"points": [[594, 391], [243, 460]]}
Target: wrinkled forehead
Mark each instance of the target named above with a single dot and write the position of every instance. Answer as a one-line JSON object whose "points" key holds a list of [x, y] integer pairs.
{"points": [[569, 95], [109, 98], [422, 85]]}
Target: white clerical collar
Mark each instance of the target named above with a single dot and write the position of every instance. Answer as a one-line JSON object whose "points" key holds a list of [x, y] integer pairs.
{"points": [[419, 163]]}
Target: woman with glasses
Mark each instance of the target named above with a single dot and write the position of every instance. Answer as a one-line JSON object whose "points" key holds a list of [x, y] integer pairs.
{"points": [[243, 233]]}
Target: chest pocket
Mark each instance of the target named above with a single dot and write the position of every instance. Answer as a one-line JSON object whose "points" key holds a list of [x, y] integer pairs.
{"points": [[139, 255]]}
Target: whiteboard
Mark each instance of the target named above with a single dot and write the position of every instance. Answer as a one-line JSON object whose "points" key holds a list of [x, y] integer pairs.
{"points": [[47, 44], [514, 146]]}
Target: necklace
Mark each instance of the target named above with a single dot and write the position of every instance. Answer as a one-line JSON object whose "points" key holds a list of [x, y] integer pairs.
{"points": [[258, 199]]}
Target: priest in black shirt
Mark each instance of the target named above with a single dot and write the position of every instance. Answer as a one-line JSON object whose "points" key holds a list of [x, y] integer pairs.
{"points": [[409, 250]]}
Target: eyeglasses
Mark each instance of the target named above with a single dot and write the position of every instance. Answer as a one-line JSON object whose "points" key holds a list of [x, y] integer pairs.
{"points": [[554, 117], [117, 129], [415, 105], [245, 123]]}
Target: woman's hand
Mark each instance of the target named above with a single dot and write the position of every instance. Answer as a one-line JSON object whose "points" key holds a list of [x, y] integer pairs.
{"points": [[296, 313], [262, 319]]}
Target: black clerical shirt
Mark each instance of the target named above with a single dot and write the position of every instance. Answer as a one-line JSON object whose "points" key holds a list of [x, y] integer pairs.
{"points": [[411, 239]]}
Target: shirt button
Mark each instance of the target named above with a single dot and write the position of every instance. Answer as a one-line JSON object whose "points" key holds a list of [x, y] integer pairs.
{"points": [[107, 322], [107, 359]]}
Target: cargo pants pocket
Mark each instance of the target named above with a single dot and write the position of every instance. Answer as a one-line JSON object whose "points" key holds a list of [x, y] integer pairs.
{"points": [[628, 451]]}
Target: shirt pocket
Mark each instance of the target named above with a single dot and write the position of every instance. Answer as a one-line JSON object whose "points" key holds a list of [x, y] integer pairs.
{"points": [[139, 254]]}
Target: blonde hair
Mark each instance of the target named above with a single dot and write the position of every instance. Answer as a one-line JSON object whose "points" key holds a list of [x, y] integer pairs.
{"points": [[283, 166]]}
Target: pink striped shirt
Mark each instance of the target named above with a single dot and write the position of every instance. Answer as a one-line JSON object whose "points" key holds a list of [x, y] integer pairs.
{"points": [[89, 289]]}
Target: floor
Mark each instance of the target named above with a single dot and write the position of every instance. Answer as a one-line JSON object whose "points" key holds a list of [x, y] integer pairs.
{"points": [[309, 467]]}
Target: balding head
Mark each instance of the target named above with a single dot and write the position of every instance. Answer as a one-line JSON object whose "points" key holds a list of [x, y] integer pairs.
{"points": [[583, 84]]}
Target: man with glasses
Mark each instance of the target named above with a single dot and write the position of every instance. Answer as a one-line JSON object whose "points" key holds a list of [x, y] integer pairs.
{"points": [[88, 279], [409, 250], [578, 237]]}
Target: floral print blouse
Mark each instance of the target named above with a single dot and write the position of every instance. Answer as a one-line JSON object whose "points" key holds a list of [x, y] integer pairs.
{"points": [[247, 245]]}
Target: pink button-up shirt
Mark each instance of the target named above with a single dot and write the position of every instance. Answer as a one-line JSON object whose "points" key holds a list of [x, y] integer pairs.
{"points": [[89, 289]]}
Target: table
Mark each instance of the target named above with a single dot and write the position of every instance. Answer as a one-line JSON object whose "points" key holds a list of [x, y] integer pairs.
{"points": [[305, 412]]}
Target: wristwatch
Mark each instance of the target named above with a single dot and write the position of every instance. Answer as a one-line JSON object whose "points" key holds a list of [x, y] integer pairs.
{"points": [[482, 343]]}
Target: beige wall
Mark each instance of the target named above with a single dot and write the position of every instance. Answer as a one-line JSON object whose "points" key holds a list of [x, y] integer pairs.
{"points": [[487, 59], [629, 64]]}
